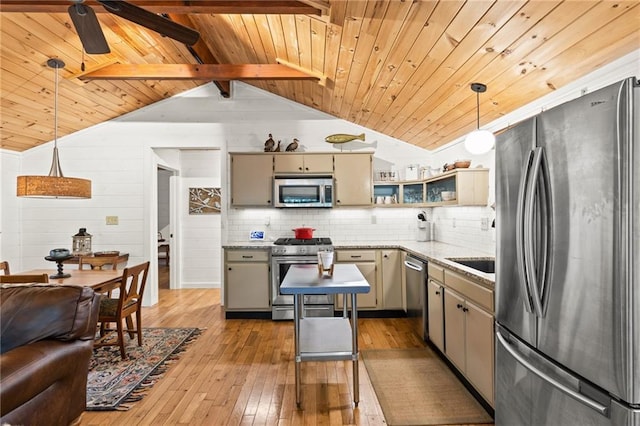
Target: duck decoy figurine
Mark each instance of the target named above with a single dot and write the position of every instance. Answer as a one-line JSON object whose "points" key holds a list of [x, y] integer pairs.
{"points": [[293, 145], [269, 144], [277, 147]]}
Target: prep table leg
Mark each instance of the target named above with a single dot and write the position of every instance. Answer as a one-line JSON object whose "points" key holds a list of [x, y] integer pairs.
{"points": [[354, 345], [296, 332]]}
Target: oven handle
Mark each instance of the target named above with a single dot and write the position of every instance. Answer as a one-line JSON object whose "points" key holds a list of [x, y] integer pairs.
{"points": [[288, 260]]}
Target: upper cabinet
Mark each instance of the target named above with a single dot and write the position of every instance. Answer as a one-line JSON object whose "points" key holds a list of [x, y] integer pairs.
{"points": [[251, 180], [461, 187], [353, 175], [468, 187], [303, 163], [252, 176]]}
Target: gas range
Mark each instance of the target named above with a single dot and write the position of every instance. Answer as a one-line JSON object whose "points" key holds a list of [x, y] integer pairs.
{"points": [[297, 247], [287, 252]]}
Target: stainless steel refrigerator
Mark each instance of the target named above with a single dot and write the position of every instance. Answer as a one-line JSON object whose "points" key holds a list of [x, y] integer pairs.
{"points": [[568, 264]]}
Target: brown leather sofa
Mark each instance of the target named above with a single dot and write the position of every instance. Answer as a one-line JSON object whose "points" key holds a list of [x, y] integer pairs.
{"points": [[45, 348]]}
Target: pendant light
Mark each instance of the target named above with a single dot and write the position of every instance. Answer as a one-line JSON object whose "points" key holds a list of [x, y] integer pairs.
{"points": [[55, 185], [479, 141]]}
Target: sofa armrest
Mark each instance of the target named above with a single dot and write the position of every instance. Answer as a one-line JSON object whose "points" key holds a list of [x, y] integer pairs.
{"points": [[30, 313]]}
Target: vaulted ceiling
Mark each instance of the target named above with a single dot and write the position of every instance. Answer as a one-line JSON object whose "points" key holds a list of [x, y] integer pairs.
{"points": [[402, 68]]}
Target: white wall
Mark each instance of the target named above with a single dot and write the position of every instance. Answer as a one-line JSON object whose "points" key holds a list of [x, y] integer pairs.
{"points": [[9, 211], [200, 235]]}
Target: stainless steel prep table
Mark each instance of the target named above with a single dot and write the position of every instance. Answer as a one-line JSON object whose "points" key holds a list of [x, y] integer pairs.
{"points": [[325, 339]]}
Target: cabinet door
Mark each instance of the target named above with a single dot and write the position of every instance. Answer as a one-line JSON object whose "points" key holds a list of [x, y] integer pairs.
{"points": [[353, 179], [318, 163], [435, 296], [303, 163], [247, 286], [365, 300], [454, 329], [480, 350], [392, 295], [288, 163], [251, 180]]}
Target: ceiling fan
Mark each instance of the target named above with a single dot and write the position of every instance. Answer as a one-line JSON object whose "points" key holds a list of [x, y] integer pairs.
{"points": [[91, 35]]}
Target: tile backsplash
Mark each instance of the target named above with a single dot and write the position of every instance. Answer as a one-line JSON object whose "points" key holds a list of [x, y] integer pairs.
{"points": [[460, 226]]}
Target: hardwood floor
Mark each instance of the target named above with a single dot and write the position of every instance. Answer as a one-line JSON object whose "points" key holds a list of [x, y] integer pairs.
{"points": [[241, 372]]}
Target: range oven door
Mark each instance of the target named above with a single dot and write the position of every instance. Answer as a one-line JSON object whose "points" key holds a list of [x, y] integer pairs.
{"points": [[279, 267]]}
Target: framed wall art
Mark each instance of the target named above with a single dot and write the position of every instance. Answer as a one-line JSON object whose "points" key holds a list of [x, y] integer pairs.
{"points": [[204, 200]]}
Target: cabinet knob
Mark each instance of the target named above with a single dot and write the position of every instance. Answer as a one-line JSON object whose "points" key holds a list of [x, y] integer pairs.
{"points": [[386, 256], [299, 168], [229, 269], [437, 293], [465, 309], [459, 306], [306, 168]]}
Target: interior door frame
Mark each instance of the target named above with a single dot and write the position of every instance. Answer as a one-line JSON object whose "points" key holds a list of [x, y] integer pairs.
{"points": [[174, 249]]}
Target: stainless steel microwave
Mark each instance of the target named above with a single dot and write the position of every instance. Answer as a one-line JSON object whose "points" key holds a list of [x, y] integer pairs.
{"points": [[303, 191]]}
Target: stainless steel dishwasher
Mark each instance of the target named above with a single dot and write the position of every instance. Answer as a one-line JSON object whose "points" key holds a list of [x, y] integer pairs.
{"points": [[415, 270]]}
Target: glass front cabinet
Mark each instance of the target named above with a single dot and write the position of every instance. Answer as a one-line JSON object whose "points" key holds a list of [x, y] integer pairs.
{"points": [[462, 187], [413, 193]]}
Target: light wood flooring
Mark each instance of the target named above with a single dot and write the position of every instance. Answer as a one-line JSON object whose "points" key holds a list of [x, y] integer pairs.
{"points": [[241, 372]]}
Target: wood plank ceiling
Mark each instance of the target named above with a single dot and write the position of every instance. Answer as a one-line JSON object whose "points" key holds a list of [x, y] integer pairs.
{"points": [[402, 68]]}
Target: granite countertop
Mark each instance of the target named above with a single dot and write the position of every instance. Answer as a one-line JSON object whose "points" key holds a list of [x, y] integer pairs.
{"points": [[430, 251]]}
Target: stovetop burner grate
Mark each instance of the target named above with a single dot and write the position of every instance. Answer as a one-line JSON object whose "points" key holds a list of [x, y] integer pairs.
{"points": [[301, 242]]}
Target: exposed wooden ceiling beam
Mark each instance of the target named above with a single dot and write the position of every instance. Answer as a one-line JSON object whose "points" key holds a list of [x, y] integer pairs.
{"points": [[218, 72], [281, 7], [201, 52]]}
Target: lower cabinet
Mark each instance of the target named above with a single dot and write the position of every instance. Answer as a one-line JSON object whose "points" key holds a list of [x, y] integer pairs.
{"points": [[246, 283], [391, 278], [468, 337], [435, 299], [365, 260]]}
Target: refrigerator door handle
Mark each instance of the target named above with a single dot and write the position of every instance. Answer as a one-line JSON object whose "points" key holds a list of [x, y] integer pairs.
{"points": [[594, 405], [520, 223], [529, 240]]}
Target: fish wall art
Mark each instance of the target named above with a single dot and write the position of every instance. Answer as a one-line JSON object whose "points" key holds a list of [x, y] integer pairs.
{"points": [[343, 138]]}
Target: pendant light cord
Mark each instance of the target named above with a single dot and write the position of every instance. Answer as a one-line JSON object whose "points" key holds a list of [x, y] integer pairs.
{"points": [[477, 110], [55, 113], [55, 170]]}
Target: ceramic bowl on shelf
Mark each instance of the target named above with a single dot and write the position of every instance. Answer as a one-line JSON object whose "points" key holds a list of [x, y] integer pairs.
{"points": [[448, 195], [462, 164]]}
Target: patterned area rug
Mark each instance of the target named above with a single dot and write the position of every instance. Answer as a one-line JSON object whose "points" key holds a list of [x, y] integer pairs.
{"points": [[415, 387], [114, 383]]}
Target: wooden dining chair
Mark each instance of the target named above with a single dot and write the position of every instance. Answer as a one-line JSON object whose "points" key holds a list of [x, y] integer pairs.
{"points": [[24, 278], [4, 267], [128, 303], [98, 262]]}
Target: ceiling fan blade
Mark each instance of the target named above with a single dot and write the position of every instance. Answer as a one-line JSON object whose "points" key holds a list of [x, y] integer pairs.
{"points": [[152, 21], [88, 29]]}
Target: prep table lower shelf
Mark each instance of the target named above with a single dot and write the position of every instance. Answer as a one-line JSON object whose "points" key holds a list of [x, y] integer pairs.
{"points": [[325, 339]]}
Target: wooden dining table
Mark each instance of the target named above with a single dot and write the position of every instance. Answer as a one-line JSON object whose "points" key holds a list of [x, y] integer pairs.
{"points": [[100, 281]]}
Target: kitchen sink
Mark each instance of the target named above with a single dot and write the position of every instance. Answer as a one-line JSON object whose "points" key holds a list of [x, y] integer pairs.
{"points": [[488, 266]]}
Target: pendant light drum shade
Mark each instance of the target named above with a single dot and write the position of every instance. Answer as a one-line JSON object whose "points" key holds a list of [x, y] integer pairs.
{"points": [[55, 185], [479, 141]]}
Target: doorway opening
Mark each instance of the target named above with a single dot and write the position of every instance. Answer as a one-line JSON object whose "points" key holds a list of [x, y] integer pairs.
{"points": [[164, 227]]}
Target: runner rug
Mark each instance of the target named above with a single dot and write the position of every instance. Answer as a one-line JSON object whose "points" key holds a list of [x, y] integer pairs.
{"points": [[114, 383], [415, 387]]}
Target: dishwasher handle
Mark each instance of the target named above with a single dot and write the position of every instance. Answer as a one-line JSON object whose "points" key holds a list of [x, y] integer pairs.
{"points": [[415, 267]]}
